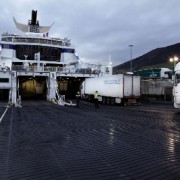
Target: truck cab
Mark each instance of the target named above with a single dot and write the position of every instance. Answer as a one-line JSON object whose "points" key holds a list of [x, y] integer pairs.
{"points": [[176, 86]]}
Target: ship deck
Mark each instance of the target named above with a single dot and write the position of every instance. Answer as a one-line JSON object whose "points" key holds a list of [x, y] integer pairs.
{"points": [[44, 141]]}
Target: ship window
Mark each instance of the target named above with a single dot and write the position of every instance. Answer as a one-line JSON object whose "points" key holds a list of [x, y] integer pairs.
{"points": [[6, 46], [4, 80], [177, 78], [46, 53], [69, 50]]}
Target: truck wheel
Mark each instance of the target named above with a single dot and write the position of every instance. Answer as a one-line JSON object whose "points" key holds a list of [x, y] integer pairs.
{"points": [[108, 100], [89, 98], [103, 100], [112, 101]]}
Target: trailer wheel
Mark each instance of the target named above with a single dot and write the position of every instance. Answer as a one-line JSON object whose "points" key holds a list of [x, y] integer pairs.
{"points": [[103, 100], [112, 101], [108, 100], [89, 98]]}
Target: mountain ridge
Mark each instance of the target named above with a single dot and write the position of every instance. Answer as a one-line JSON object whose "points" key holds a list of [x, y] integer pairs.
{"points": [[155, 58]]}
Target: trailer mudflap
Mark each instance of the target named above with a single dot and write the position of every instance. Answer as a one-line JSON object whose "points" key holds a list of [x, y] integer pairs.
{"points": [[132, 101]]}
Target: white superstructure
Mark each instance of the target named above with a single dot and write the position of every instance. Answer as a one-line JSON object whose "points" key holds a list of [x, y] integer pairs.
{"points": [[176, 86]]}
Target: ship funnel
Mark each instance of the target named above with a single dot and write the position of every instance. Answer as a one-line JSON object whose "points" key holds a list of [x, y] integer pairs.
{"points": [[33, 17], [33, 25], [33, 20]]}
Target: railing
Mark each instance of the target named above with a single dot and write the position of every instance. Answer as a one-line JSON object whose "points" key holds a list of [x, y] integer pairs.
{"points": [[22, 68], [50, 41]]}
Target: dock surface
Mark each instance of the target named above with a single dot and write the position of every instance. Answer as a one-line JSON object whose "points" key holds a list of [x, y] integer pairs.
{"points": [[45, 141]]}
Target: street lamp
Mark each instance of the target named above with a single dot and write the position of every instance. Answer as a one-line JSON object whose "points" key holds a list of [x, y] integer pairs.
{"points": [[174, 60], [131, 46]]}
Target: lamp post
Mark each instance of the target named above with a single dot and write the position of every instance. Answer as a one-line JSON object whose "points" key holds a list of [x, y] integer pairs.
{"points": [[131, 46], [174, 60]]}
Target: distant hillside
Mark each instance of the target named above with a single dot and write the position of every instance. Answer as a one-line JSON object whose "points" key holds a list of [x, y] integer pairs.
{"points": [[156, 58]]}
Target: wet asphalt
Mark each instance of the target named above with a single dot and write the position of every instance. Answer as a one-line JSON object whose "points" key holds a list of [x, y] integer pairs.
{"points": [[45, 141]]}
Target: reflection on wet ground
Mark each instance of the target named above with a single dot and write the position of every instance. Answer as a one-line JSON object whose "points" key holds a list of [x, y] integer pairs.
{"points": [[42, 140]]}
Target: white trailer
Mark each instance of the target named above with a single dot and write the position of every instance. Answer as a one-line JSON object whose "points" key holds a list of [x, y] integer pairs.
{"points": [[120, 88], [176, 86]]}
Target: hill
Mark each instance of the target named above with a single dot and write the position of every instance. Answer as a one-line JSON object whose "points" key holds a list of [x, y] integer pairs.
{"points": [[154, 59]]}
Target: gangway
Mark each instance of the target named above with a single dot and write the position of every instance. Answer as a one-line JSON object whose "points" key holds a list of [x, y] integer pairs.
{"points": [[60, 99]]}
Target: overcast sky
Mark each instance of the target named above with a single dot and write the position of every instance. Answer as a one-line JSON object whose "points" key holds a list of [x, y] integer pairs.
{"points": [[101, 29]]}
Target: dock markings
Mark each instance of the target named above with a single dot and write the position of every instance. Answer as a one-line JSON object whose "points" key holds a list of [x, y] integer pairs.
{"points": [[3, 114]]}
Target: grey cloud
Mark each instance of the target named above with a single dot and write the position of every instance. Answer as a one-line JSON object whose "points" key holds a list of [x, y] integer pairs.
{"points": [[102, 28]]}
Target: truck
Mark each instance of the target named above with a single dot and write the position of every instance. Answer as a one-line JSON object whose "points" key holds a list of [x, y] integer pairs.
{"points": [[113, 89], [155, 73], [176, 86]]}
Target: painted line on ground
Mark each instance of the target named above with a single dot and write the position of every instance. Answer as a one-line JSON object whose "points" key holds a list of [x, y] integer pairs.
{"points": [[3, 115]]}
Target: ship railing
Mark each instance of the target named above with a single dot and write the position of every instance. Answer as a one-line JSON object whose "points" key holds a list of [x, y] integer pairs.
{"points": [[67, 70], [39, 41]]}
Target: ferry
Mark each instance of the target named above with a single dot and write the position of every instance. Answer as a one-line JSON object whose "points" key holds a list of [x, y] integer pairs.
{"points": [[35, 65]]}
